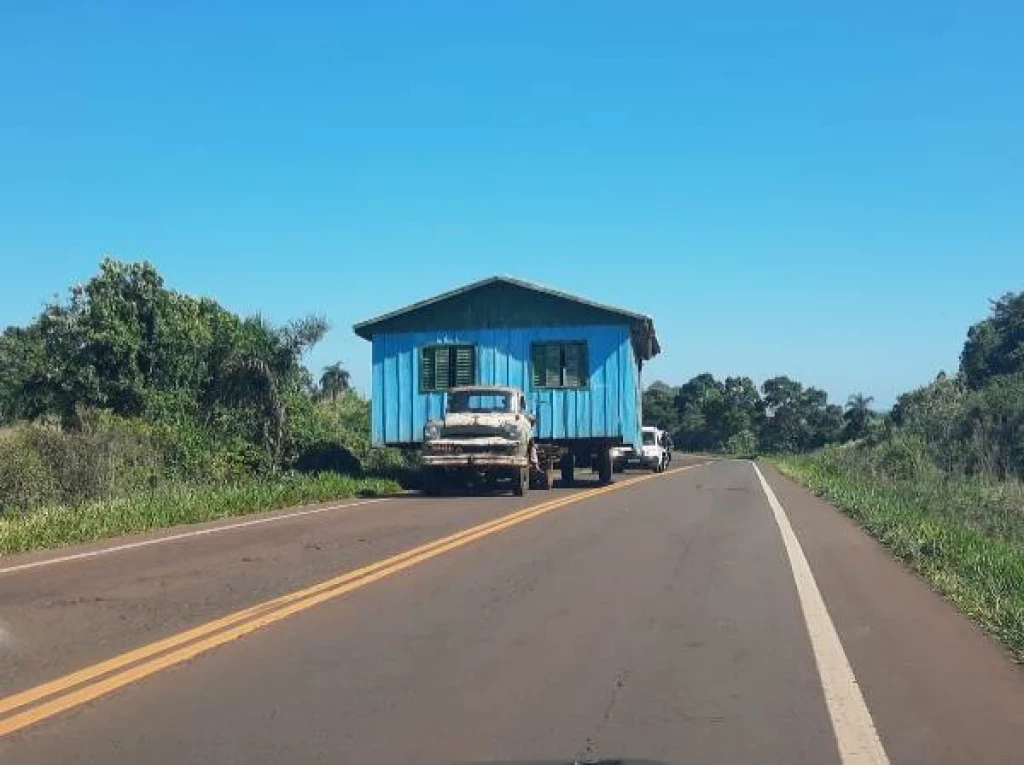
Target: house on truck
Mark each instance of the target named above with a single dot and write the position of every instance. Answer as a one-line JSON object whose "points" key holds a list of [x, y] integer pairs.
{"points": [[578, 363]]}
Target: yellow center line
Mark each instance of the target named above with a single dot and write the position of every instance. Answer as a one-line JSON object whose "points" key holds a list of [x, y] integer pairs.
{"points": [[139, 663]]}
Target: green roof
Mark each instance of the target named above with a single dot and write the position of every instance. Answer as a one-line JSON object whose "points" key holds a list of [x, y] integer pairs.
{"points": [[502, 301]]}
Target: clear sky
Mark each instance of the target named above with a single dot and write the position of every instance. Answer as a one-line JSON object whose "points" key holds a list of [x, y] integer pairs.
{"points": [[830, 191]]}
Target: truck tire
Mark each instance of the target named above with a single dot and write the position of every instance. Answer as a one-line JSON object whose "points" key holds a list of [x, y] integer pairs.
{"points": [[604, 466], [521, 481], [568, 466], [547, 478], [431, 479]]}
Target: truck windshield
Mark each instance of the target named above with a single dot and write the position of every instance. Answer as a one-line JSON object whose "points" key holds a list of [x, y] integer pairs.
{"points": [[478, 402], [648, 438]]}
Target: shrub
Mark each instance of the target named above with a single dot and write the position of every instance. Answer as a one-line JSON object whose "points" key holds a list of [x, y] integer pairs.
{"points": [[25, 480], [742, 444]]}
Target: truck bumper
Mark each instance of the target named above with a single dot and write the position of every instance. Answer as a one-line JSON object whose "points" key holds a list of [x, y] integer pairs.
{"points": [[641, 462], [482, 461]]}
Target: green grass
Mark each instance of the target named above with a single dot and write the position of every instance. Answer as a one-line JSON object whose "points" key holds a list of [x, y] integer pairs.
{"points": [[964, 535], [171, 506]]}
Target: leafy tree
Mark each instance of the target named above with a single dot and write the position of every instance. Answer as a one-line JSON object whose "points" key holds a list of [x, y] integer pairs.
{"points": [[124, 343], [995, 346], [796, 418], [698, 404], [23, 367], [743, 410], [785, 426]]}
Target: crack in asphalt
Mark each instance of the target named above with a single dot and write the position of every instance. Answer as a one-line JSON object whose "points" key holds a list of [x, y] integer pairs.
{"points": [[589, 753]]}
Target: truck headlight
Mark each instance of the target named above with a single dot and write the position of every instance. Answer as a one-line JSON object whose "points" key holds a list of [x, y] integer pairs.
{"points": [[431, 431], [510, 430]]}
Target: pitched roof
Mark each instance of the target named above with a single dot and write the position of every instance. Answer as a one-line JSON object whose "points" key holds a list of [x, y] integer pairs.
{"points": [[642, 326]]}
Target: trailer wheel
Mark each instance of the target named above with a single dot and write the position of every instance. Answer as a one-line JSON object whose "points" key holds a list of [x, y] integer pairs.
{"points": [[521, 481], [604, 466], [568, 469]]}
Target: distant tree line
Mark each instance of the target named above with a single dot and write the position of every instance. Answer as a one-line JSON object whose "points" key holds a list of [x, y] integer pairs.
{"points": [[970, 422], [734, 415]]}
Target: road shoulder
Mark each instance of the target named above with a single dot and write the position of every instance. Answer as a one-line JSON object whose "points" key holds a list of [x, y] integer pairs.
{"points": [[925, 670]]}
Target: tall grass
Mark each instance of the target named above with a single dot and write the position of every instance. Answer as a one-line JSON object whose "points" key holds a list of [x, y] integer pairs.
{"points": [[965, 535], [55, 526]]}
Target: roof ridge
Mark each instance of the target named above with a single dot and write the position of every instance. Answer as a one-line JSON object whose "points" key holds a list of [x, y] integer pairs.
{"points": [[500, 278]]}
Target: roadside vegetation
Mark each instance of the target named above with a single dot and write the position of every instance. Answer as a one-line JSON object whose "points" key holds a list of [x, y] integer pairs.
{"points": [[940, 481], [130, 406], [171, 505]]}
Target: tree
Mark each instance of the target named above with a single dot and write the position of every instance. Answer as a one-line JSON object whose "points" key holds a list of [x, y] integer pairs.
{"points": [[334, 380], [995, 346], [260, 371], [23, 368], [798, 419], [698, 406], [743, 409], [124, 343], [784, 428], [857, 417]]}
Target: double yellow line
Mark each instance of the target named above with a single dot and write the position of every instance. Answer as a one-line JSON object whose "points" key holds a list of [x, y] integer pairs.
{"points": [[64, 693]]}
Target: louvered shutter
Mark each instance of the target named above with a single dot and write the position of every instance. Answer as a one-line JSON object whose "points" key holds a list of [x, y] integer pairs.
{"points": [[537, 360], [553, 365], [575, 365], [428, 371], [442, 368], [465, 366]]}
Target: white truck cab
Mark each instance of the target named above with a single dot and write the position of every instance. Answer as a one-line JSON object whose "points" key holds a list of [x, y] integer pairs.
{"points": [[652, 453]]}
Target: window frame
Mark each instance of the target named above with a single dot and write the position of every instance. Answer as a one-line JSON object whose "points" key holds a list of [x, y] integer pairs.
{"points": [[562, 344], [452, 349]]}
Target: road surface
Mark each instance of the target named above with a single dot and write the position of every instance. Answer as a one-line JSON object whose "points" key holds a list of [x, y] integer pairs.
{"points": [[666, 618]]}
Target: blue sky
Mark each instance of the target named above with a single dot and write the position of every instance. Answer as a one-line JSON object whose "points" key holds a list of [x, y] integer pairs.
{"points": [[832, 194]]}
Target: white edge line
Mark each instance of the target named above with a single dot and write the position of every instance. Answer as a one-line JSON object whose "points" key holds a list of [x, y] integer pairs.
{"points": [[856, 736], [183, 535]]}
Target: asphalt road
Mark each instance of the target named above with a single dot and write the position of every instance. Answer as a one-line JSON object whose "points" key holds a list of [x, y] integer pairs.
{"points": [[663, 619]]}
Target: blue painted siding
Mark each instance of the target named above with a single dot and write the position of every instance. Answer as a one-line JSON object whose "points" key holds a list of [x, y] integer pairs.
{"points": [[608, 407]]}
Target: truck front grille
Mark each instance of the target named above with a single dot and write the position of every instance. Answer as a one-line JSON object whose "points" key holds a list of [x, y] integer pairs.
{"points": [[442, 448]]}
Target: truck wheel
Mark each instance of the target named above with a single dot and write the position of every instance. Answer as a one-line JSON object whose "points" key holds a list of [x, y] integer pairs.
{"points": [[431, 479], [521, 481], [568, 466], [604, 466]]}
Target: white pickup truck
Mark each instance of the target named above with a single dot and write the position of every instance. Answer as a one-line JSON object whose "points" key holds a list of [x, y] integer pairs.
{"points": [[653, 454]]}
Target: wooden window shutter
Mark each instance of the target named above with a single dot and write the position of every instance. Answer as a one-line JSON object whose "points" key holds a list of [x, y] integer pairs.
{"points": [[575, 365], [465, 365], [538, 357], [428, 372], [553, 365], [442, 368]]}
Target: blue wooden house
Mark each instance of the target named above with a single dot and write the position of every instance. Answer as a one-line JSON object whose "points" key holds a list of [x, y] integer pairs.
{"points": [[577, 361]]}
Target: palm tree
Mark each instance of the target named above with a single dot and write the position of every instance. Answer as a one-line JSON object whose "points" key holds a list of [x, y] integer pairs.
{"points": [[251, 382], [334, 380], [259, 365], [857, 415]]}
